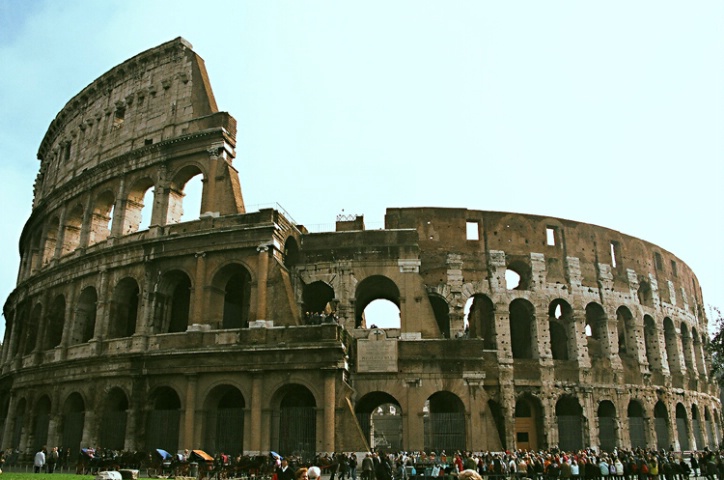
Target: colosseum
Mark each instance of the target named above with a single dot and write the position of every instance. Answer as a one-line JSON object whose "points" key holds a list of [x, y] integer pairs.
{"points": [[242, 331]]}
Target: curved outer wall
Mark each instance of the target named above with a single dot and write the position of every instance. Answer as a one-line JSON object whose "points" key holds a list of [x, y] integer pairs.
{"points": [[196, 334]]}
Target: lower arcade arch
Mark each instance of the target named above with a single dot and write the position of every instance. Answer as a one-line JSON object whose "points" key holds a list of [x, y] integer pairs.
{"points": [[682, 427], [607, 425], [696, 428], [72, 422], [380, 417], [294, 422], [444, 422], [529, 423], [224, 420], [570, 424], [636, 424], [41, 423], [661, 425], [162, 423], [114, 419]]}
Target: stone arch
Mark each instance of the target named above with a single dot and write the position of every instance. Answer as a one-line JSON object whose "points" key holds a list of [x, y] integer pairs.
{"points": [[135, 208], [645, 294], [230, 298], [626, 329], [19, 422], [51, 240], [290, 256], [172, 299], [30, 339], [163, 422], [672, 341], [318, 301], [651, 336], [699, 346], [710, 438], [224, 420], [522, 270], [444, 422], [101, 217], [124, 309], [114, 419], [294, 421], [441, 310], [696, 427], [54, 322], [375, 287], [522, 324], [560, 322], [85, 317], [481, 320], [380, 417], [176, 204], [596, 330], [570, 423], [72, 422], [661, 425], [496, 412], [41, 422], [529, 423], [636, 424], [607, 425], [686, 346], [72, 229], [682, 427]]}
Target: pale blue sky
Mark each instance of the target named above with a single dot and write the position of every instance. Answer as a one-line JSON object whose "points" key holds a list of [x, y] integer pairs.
{"points": [[609, 113]]}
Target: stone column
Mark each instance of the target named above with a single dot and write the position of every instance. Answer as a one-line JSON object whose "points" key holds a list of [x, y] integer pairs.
{"points": [[329, 411], [256, 413], [197, 296], [262, 273], [10, 421], [187, 435]]}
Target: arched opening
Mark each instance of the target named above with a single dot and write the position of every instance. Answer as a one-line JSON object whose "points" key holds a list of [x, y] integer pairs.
{"points": [[224, 426], [380, 417], [101, 219], [42, 421], [560, 319], [517, 275], [636, 426], [162, 427], [607, 425], [441, 310], [686, 346], [291, 253], [480, 319], [698, 352], [172, 299], [377, 287], [114, 420], [596, 325], [661, 425], [444, 422], [85, 317], [72, 422], [235, 281], [528, 423], [51, 239], [653, 356], [71, 229], [522, 322], [696, 428], [645, 295], [709, 427], [139, 207], [570, 423], [31, 332], [19, 422], [54, 322], [192, 192], [124, 309], [672, 341], [295, 422], [318, 298], [682, 427], [626, 333]]}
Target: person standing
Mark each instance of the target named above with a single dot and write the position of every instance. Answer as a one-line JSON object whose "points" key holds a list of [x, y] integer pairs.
{"points": [[52, 460], [39, 461]]}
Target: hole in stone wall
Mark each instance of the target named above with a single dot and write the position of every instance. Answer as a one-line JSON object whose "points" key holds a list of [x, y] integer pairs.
{"points": [[472, 232], [146, 210], [550, 236], [382, 314], [512, 279]]}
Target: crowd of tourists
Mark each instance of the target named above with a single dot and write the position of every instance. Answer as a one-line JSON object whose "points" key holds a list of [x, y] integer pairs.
{"points": [[587, 464]]}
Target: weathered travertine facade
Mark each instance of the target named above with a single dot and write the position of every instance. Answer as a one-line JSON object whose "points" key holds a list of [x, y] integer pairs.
{"points": [[195, 334]]}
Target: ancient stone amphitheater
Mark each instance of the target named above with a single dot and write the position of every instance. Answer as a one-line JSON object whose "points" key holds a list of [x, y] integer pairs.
{"points": [[243, 332]]}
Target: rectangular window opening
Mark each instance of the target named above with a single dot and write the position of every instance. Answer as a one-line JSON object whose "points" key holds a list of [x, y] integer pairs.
{"points": [[614, 254], [472, 230], [657, 260], [673, 268], [551, 236]]}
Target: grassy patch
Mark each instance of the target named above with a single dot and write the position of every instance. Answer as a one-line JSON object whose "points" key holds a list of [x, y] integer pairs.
{"points": [[44, 476]]}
